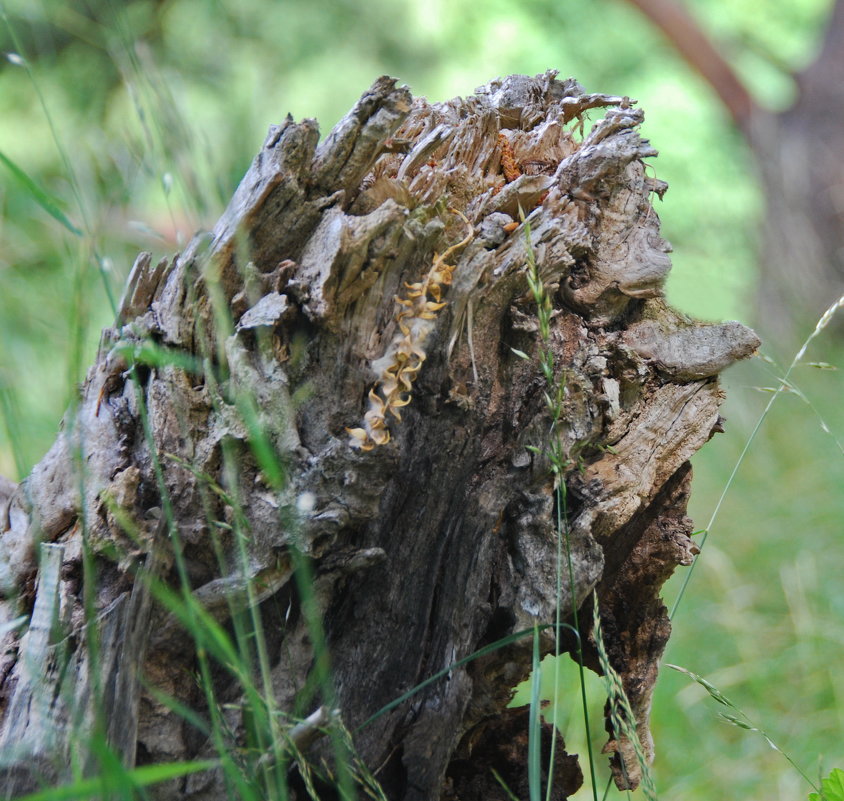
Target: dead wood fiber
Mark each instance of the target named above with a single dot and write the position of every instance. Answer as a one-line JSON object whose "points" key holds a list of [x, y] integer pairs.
{"points": [[356, 312]]}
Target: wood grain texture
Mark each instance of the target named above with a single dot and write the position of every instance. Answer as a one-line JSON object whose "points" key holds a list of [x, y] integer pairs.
{"points": [[425, 548]]}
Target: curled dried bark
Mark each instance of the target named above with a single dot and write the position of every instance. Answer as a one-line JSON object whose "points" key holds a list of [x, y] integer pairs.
{"points": [[434, 543]]}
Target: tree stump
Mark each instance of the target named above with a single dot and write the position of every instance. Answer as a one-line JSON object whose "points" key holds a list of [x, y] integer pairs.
{"points": [[344, 381]]}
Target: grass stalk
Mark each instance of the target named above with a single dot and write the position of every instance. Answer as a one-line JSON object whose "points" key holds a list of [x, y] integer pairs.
{"points": [[554, 398], [10, 415], [621, 713], [511, 796], [580, 667], [273, 470], [535, 727], [192, 618], [558, 594], [824, 320], [487, 649], [137, 778], [67, 164], [739, 719]]}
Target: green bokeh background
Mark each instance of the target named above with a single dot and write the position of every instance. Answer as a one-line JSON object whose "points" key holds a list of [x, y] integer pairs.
{"points": [[140, 117]]}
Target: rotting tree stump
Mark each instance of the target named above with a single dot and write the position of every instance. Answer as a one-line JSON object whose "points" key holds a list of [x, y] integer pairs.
{"points": [[427, 537]]}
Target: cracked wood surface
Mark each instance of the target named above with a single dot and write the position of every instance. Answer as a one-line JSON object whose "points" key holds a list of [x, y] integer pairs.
{"points": [[423, 548]]}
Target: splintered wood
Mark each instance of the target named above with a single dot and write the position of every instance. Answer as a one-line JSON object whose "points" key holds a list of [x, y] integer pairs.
{"points": [[392, 256]]}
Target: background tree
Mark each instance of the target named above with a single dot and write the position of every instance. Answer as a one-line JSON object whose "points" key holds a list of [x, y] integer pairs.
{"points": [[799, 152]]}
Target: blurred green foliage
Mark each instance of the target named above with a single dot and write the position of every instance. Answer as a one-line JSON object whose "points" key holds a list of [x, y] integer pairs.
{"points": [[141, 116]]}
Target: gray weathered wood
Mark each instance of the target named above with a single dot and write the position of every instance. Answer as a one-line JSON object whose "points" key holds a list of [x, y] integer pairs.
{"points": [[429, 535]]}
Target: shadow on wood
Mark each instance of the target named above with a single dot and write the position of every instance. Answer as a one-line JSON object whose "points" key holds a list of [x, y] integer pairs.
{"points": [[311, 390]]}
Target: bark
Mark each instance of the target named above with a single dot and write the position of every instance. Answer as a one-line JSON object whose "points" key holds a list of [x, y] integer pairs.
{"points": [[426, 537]]}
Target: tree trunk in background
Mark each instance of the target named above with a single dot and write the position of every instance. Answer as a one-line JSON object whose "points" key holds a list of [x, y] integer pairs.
{"points": [[800, 156], [801, 161], [427, 537]]}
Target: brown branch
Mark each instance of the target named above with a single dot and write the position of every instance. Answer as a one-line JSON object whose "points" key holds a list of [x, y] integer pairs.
{"points": [[699, 52]]}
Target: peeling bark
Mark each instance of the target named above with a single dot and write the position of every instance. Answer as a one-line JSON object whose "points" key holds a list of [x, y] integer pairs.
{"points": [[430, 535]]}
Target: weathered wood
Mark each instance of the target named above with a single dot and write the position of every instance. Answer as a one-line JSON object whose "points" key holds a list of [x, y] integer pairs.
{"points": [[429, 535]]}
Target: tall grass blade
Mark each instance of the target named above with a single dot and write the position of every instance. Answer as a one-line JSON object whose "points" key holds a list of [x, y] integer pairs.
{"points": [[558, 467], [510, 794], [10, 415], [534, 725], [11, 625], [622, 716], [174, 705], [739, 719], [823, 322], [47, 202], [562, 521], [487, 649], [88, 789]]}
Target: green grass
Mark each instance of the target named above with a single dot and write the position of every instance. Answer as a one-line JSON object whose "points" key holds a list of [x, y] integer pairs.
{"points": [[762, 619]]}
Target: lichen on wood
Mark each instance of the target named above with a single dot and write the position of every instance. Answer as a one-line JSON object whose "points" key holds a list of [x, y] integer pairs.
{"points": [[440, 540]]}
